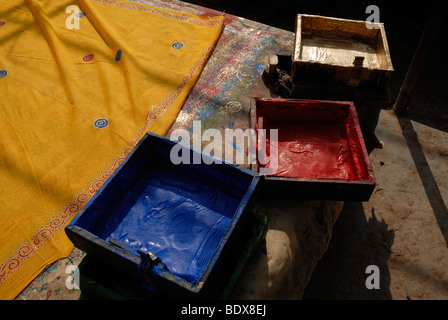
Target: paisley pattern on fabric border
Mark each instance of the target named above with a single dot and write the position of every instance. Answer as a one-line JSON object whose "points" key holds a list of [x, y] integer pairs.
{"points": [[162, 12], [58, 222]]}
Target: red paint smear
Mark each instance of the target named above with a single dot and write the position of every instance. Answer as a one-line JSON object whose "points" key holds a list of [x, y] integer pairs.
{"points": [[317, 140]]}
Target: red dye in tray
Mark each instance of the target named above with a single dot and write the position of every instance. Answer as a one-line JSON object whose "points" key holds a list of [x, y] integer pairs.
{"points": [[316, 139]]}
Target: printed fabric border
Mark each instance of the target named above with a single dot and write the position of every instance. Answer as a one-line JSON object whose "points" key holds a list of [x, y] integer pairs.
{"points": [[162, 12]]}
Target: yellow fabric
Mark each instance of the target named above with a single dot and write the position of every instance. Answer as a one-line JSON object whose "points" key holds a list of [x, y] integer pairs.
{"points": [[55, 151]]}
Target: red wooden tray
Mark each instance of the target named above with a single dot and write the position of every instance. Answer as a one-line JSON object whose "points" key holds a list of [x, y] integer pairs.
{"points": [[320, 153]]}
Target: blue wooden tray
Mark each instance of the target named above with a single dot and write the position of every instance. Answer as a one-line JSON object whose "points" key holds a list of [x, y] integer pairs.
{"points": [[175, 226]]}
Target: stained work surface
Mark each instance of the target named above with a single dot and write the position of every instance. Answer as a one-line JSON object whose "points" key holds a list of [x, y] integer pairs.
{"points": [[222, 97]]}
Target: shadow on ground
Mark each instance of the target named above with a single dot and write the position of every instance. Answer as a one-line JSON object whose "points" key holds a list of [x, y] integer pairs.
{"points": [[426, 176], [356, 243]]}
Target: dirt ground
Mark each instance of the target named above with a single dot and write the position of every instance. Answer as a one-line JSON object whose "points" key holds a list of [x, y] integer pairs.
{"points": [[403, 229]]}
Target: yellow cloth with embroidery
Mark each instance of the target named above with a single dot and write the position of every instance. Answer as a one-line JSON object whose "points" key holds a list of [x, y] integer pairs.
{"points": [[74, 102]]}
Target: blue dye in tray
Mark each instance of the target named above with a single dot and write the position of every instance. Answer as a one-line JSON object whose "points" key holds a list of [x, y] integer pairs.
{"points": [[181, 214]]}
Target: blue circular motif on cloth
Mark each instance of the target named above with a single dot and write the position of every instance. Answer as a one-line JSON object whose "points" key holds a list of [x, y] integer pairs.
{"points": [[3, 73], [81, 14], [101, 123], [177, 45]]}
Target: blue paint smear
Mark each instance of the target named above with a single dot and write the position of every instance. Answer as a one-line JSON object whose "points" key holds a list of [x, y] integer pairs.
{"points": [[259, 68], [234, 145], [178, 213], [206, 112], [118, 55]]}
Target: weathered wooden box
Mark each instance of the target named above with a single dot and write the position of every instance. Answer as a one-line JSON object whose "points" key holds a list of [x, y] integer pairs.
{"points": [[174, 227], [318, 153], [340, 51]]}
